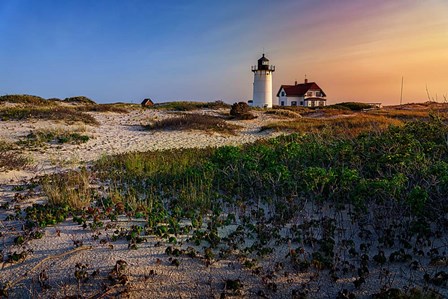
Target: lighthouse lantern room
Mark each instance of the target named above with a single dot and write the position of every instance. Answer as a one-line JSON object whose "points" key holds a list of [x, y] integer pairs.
{"points": [[263, 83]]}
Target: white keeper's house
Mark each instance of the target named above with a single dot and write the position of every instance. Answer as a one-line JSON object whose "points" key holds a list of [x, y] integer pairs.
{"points": [[307, 94]]}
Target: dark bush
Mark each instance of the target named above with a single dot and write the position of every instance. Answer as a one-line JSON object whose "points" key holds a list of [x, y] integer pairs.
{"points": [[241, 110]]}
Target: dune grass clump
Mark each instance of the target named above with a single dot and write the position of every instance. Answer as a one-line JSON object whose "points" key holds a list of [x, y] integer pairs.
{"points": [[283, 113], [79, 100], [25, 99], [189, 106], [348, 126], [353, 106], [55, 136], [9, 158], [46, 113], [402, 114], [70, 189], [200, 122]]}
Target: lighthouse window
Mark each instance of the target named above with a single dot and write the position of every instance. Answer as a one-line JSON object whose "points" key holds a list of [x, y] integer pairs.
{"points": [[265, 62]]}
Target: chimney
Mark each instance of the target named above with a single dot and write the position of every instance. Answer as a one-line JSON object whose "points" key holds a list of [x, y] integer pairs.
{"points": [[295, 83], [306, 80]]}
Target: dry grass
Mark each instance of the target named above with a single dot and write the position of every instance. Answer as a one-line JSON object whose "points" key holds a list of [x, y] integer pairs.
{"points": [[71, 188], [9, 158], [350, 126], [189, 106], [283, 113], [68, 115], [401, 114], [25, 100], [200, 122]]}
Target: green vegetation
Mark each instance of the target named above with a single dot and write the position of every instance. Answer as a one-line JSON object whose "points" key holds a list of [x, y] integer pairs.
{"points": [[46, 113], [393, 166], [201, 122], [58, 136], [189, 106]]}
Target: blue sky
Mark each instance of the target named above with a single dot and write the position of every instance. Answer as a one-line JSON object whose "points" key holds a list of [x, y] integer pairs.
{"points": [[202, 50]]}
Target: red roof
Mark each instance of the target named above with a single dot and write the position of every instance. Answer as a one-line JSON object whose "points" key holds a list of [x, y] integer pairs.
{"points": [[300, 89]]}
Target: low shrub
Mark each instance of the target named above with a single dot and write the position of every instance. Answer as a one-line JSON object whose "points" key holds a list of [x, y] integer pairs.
{"points": [[241, 110]]}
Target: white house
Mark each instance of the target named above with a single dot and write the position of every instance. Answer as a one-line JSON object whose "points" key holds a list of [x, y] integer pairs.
{"points": [[307, 94]]}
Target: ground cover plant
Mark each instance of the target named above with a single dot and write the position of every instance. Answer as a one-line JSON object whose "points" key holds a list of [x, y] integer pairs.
{"points": [[306, 216], [194, 121]]}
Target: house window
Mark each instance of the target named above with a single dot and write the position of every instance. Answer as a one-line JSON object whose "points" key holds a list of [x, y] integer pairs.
{"points": [[309, 93], [282, 103], [321, 104], [317, 93], [301, 103], [283, 94], [294, 103]]}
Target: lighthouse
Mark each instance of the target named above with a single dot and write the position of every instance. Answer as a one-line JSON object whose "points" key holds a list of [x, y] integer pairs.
{"points": [[263, 83]]}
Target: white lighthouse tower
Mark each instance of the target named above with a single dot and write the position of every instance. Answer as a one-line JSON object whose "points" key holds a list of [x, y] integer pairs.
{"points": [[263, 83]]}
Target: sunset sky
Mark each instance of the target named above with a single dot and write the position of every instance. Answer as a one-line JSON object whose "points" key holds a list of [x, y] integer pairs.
{"points": [[202, 50]]}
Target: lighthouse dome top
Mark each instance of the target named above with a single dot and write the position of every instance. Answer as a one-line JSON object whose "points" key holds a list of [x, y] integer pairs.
{"points": [[263, 63]]}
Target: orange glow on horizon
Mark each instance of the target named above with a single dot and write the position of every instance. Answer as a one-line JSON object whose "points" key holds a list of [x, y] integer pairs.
{"points": [[363, 57]]}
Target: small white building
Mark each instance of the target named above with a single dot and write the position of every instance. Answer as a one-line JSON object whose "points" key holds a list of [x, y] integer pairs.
{"points": [[262, 95], [307, 94]]}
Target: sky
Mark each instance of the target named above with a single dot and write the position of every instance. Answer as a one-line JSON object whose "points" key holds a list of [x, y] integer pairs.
{"points": [[202, 50]]}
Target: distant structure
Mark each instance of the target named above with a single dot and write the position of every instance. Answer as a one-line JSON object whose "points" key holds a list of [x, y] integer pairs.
{"points": [[262, 96], [147, 103], [307, 94]]}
